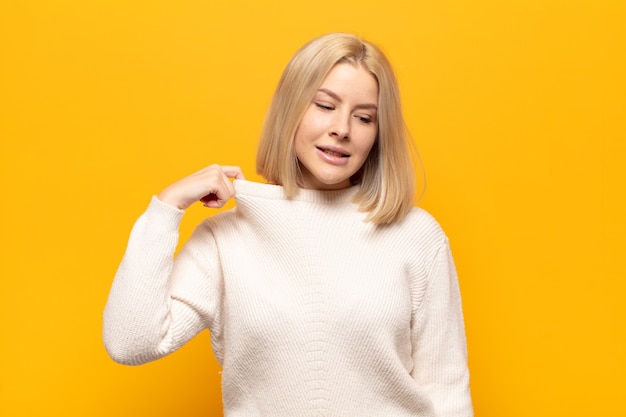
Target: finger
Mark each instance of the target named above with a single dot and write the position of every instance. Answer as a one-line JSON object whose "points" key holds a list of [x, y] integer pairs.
{"points": [[222, 189], [233, 172], [211, 201]]}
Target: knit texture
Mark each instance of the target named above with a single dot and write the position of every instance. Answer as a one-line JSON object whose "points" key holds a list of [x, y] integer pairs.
{"points": [[312, 311]]}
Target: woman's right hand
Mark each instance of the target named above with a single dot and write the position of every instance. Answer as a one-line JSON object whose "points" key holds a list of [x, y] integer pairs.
{"points": [[211, 186]]}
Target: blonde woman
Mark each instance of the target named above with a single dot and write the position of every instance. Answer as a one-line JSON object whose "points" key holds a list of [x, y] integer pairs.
{"points": [[325, 291]]}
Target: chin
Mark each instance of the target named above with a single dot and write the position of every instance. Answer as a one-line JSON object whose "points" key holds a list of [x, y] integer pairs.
{"points": [[333, 184], [325, 179]]}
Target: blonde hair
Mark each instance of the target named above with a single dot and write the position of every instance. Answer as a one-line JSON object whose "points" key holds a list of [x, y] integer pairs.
{"points": [[387, 178]]}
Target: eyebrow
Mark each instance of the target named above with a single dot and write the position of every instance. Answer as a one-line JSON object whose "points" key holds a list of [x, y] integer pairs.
{"points": [[336, 97]]}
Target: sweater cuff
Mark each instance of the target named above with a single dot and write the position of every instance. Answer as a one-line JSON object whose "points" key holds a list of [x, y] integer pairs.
{"points": [[169, 217]]}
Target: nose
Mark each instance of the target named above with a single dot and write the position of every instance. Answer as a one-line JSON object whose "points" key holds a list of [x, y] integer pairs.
{"points": [[340, 128]]}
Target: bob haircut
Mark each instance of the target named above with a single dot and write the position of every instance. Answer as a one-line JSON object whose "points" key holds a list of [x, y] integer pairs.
{"points": [[386, 177]]}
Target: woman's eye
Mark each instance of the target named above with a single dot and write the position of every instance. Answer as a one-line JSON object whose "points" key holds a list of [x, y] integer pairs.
{"points": [[364, 119], [323, 106]]}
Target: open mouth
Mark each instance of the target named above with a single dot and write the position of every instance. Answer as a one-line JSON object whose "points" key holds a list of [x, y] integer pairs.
{"points": [[333, 153]]}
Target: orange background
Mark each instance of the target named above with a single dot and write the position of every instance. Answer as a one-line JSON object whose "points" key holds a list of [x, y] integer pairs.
{"points": [[517, 108]]}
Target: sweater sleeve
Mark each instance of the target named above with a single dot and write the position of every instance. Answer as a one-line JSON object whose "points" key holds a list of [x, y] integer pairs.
{"points": [[156, 304], [439, 345]]}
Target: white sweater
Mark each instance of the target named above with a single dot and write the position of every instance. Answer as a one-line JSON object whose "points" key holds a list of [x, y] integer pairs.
{"points": [[312, 311]]}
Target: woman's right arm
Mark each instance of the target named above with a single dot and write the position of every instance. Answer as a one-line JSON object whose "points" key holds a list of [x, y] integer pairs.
{"points": [[144, 317]]}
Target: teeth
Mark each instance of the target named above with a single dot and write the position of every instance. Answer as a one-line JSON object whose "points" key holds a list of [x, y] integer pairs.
{"points": [[337, 154]]}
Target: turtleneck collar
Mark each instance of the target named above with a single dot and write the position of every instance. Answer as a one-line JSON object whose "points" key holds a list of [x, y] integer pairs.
{"points": [[245, 189]]}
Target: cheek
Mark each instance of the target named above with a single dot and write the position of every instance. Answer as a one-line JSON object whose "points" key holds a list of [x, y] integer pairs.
{"points": [[368, 139], [302, 137], [312, 124], [300, 132]]}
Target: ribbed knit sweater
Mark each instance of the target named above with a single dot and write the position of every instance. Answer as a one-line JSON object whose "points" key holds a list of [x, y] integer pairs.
{"points": [[312, 311]]}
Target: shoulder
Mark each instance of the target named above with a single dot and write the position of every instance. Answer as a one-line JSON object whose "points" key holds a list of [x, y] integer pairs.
{"points": [[421, 226], [419, 237], [214, 226], [219, 220]]}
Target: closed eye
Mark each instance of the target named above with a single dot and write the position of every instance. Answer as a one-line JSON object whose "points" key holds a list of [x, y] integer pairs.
{"points": [[364, 119], [324, 107]]}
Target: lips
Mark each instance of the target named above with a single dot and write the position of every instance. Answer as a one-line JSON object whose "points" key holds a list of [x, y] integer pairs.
{"points": [[333, 151]]}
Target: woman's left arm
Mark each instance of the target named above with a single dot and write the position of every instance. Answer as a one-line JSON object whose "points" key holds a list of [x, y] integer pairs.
{"points": [[438, 337]]}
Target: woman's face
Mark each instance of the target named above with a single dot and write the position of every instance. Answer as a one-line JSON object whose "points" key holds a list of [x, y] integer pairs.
{"points": [[338, 129]]}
